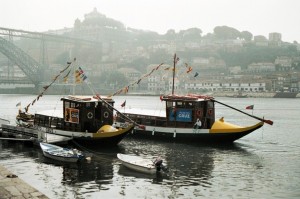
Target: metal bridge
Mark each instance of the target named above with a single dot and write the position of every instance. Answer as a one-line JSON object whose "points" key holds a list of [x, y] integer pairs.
{"points": [[32, 69]]}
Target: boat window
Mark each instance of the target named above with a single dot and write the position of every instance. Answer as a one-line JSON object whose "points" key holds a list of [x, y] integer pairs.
{"points": [[189, 104], [67, 104], [179, 104], [72, 105], [88, 105], [169, 104], [210, 104]]}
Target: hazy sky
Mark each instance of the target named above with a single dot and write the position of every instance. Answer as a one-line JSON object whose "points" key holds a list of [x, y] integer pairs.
{"points": [[260, 17]]}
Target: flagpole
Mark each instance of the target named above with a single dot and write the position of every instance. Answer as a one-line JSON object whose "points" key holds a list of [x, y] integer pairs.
{"points": [[173, 74], [74, 80]]}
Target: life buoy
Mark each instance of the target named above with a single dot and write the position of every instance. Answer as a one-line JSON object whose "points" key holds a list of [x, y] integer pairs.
{"points": [[106, 114], [199, 112], [90, 115]]}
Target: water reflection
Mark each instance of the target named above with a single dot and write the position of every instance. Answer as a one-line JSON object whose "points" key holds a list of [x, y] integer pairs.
{"points": [[189, 166], [156, 178]]}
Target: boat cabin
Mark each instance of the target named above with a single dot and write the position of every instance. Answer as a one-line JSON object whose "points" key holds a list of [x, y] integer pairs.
{"points": [[184, 111], [80, 114], [181, 112]]}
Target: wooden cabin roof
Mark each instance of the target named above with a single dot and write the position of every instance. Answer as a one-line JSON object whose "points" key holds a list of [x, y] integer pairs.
{"points": [[188, 97], [86, 99]]}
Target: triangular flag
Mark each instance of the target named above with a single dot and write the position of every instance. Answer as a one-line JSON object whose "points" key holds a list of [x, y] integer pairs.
{"points": [[123, 104], [251, 107]]}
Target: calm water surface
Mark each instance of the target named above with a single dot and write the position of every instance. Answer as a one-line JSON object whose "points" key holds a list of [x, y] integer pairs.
{"points": [[264, 164]]}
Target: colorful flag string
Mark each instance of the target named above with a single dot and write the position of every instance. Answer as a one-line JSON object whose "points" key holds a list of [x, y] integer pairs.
{"points": [[46, 87]]}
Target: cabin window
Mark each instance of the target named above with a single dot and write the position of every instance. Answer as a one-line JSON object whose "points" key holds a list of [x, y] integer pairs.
{"points": [[210, 104], [189, 104], [179, 104], [88, 105], [169, 104], [67, 104], [72, 105]]}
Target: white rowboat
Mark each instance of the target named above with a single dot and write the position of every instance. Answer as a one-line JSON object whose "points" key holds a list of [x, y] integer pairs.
{"points": [[60, 153], [139, 164]]}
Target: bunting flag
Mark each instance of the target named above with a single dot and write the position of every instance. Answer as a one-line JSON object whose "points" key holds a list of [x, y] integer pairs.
{"points": [[66, 77], [33, 102], [80, 75], [125, 90], [251, 107], [123, 104], [56, 77], [46, 87], [189, 69]]}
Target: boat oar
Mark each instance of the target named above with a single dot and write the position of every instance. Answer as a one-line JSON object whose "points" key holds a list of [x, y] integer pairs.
{"points": [[270, 122]]}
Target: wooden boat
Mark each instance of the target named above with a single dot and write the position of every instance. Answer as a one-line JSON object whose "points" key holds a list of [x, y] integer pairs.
{"points": [[179, 122], [86, 119], [83, 118], [60, 153], [139, 164]]}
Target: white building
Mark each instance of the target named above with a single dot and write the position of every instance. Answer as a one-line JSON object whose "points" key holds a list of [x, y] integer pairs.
{"points": [[233, 86], [261, 67]]}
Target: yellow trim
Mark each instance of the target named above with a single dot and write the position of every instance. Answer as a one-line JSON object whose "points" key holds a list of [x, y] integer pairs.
{"points": [[109, 131], [220, 126]]}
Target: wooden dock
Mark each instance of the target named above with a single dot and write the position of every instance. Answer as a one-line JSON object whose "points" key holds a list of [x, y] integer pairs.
{"points": [[24, 134]]}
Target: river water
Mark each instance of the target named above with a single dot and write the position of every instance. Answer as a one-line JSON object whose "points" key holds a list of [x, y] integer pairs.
{"points": [[264, 164]]}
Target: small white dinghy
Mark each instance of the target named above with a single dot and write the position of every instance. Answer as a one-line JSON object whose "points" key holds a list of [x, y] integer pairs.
{"points": [[60, 153], [141, 165]]}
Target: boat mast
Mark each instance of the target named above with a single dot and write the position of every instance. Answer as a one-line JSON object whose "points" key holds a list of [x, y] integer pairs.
{"points": [[175, 58], [74, 79]]}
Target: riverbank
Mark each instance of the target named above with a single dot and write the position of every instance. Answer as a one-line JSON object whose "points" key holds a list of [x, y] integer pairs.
{"points": [[58, 90], [256, 95], [11, 186]]}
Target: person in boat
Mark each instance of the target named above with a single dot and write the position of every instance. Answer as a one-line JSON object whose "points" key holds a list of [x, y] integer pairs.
{"points": [[198, 124], [158, 163]]}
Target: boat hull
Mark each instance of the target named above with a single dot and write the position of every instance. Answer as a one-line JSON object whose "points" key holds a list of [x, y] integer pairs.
{"points": [[137, 164], [90, 140], [59, 153], [193, 135], [103, 139], [59, 158]]}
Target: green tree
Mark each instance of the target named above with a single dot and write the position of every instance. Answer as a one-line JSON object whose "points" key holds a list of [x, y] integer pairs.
{"points": [[225, 32], [191, 34], [246, 35]]}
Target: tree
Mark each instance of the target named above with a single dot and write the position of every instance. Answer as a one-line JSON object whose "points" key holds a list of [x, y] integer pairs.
{"points": [[170, 35], [191, 34], [246, 35], [225, 32]]}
